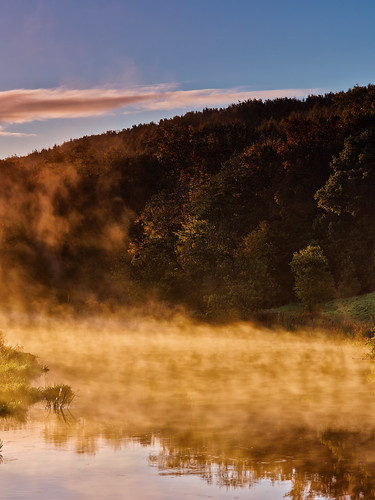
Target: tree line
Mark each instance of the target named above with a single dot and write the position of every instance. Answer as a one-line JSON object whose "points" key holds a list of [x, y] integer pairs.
{"points": [[223, 211]]}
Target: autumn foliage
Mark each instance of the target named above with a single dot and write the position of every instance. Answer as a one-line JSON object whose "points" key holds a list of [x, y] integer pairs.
{"points": [[205, 210]]}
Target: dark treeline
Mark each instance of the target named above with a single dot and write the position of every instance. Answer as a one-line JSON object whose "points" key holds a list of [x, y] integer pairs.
{"points": [[204, 210]]}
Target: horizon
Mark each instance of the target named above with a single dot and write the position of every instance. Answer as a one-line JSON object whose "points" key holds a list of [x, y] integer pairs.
{"points": [[167, 116], [84, 68]]}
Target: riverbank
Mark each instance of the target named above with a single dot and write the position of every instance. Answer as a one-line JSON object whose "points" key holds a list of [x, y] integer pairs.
{"points": [[353, 316], [17, 371]]}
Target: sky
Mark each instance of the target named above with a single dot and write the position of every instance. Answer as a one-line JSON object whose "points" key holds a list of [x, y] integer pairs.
{"points": [[79, 67]]}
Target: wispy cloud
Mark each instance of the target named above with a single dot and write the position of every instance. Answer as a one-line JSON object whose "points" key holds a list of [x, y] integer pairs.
{"points": [[6, 133], [219, 97], [26, 105]]}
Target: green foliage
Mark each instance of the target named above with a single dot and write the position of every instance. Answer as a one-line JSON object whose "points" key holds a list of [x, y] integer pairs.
{"points": [[194, 243], [152, 249], [313, 280], [351, 186], [257, 260]]}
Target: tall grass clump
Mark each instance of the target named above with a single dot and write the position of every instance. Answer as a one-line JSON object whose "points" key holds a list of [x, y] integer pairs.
{"points": [[58, 397]]}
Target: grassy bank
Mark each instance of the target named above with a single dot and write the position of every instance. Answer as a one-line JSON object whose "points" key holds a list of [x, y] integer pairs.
{"points": [[351, 315], [17, 370]]}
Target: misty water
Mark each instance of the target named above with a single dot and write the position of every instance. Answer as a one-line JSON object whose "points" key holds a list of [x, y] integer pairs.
{"points": [[169, 410]]}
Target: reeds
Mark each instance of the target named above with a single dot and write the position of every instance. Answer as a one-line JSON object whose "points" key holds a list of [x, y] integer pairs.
{"points": [[58, 397]]}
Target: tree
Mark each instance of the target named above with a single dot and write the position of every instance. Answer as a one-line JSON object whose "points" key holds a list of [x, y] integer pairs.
{"points": [[351, 185], [153, 238], [313, 280], [348, 199], [348, 282]]}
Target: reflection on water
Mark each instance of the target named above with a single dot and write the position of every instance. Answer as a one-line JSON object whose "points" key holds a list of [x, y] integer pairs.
{"points": [[235, 409]]}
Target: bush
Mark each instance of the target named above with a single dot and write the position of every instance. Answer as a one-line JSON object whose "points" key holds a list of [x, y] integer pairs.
{"points": [[313, 280]]}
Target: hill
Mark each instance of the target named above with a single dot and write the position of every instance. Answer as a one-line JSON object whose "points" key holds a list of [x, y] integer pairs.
{"points": [[204, 210]]}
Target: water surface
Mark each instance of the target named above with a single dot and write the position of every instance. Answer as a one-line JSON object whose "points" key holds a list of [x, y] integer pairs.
{"points": [[176, 410]]}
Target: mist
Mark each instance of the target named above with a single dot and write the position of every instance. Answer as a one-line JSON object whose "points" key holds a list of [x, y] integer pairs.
{"points": [[149, 372], [63, 230], [226, 398]]}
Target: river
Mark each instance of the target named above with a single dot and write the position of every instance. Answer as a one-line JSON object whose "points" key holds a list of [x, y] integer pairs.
{"points": [[170, 410]]}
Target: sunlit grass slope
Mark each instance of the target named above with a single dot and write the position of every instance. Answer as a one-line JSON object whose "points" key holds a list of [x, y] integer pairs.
{"points": [[358, 310]]}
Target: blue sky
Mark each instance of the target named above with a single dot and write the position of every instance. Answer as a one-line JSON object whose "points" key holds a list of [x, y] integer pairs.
{"points": [[72, 68]]}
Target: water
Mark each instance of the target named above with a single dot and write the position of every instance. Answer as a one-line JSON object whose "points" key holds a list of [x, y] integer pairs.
{"points": [[176, 410], [37, 467]]}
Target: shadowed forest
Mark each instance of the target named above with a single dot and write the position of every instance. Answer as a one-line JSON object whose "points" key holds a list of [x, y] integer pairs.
{"points": [[223, 212]]}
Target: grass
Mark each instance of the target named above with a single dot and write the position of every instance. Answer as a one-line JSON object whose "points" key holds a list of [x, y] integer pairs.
{"points": [[58, 397], [17, 370], [351, 315], [359, 308]]}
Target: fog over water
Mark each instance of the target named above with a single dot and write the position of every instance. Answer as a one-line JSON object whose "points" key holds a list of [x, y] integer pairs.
{"points": [[234, 405]]}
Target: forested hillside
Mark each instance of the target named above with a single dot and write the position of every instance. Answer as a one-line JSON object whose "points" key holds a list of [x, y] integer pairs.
{"points": [[206, 210]]}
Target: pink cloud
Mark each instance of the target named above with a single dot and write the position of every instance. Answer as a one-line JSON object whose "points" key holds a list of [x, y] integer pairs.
{"points": [[26, 105]]}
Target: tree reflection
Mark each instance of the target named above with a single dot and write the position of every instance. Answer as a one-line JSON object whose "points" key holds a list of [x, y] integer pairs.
{"points": [[335, 463]]}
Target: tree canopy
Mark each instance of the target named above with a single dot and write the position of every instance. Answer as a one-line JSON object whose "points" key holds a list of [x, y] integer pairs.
{"points": [[205, 210]]}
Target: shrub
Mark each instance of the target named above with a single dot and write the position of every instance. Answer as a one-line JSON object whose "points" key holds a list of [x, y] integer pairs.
{"points": [[313, 280]]}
